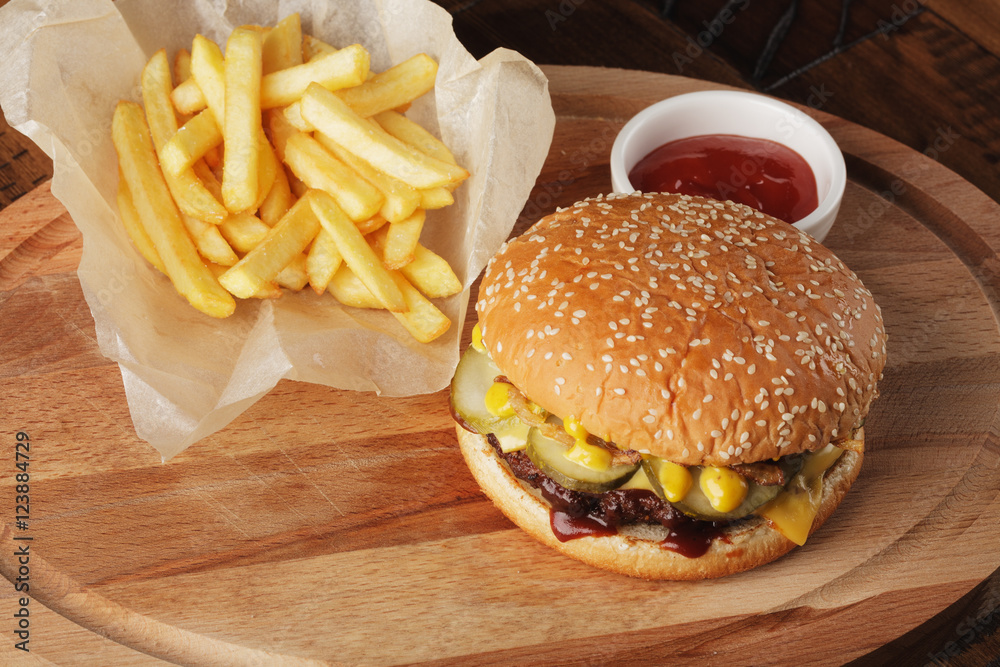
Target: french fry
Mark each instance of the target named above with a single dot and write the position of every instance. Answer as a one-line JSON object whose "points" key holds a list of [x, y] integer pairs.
{"points": [[190, 143], [182, 65], [209, 241], [428, 272], [188, 191], [160, 216], [342, 69], [208, 71], [284, 243], [279, 130], [156, 87], [422, 319], [279, 199], [293, 116], [187, 98], [368, 226], [208, 179], [267, 170], [133, 226], [417, 136], [242, 127], [400, 201], [294, 276], [433, 198], [357, 253], [299, 189], [282, 46], [322, 261], [329, 115], [398, 85], [213, 158], [348, 289], [401, 240], [312, 47], [269, 291], [431, 274], [318, 169], [414, 134], [194, 199], [244, 231]]}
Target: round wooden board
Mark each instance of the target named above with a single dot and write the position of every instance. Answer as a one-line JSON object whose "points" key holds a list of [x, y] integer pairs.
{"points": [[341, 527]]}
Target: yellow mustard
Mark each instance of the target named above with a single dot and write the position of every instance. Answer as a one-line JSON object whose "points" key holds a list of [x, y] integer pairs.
{"points": [[675, 479], [498, 400], [477, 338], [724, 488], [582, 452]]}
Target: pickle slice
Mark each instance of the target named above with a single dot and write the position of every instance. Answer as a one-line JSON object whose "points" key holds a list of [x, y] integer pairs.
{"points": [[473, 378], [697, 506], [649, 467], [549, 456]]}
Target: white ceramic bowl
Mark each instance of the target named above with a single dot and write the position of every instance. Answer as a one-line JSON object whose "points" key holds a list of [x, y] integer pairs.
{"points": [[740, 113]]}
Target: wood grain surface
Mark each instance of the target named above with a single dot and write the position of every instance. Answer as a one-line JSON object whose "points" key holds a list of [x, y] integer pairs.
{"points": [[340, 527]]}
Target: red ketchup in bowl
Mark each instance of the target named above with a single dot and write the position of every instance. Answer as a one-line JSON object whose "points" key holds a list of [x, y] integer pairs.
{"points": [[764, 174]]}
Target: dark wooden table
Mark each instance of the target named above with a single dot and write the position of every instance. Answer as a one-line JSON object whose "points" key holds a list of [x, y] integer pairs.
{"points": [[926, 73]]}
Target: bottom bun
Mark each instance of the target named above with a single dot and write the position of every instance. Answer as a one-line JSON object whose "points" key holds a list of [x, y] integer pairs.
{"points": [[635, 551]]}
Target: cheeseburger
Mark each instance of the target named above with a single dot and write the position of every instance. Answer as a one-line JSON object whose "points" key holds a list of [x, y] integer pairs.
{"points": [[667, 386]]}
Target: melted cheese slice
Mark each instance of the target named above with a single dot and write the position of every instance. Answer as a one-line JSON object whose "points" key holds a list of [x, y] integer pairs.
{"points": [[792, 513], [513, 437], [638, 481]]}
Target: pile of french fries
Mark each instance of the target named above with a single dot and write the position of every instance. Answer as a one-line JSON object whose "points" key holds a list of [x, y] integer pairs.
{"points": [[284, 163]]}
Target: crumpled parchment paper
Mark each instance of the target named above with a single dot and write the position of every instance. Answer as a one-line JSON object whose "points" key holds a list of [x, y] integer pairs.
{"points": [[64, 64]]}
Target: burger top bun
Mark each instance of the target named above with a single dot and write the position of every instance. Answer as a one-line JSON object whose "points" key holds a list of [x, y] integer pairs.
{"points": [[702, 332]]}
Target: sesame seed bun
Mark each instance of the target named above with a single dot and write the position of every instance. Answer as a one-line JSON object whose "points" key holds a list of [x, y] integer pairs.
{"points": [[702, 332], [635, 551]]}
